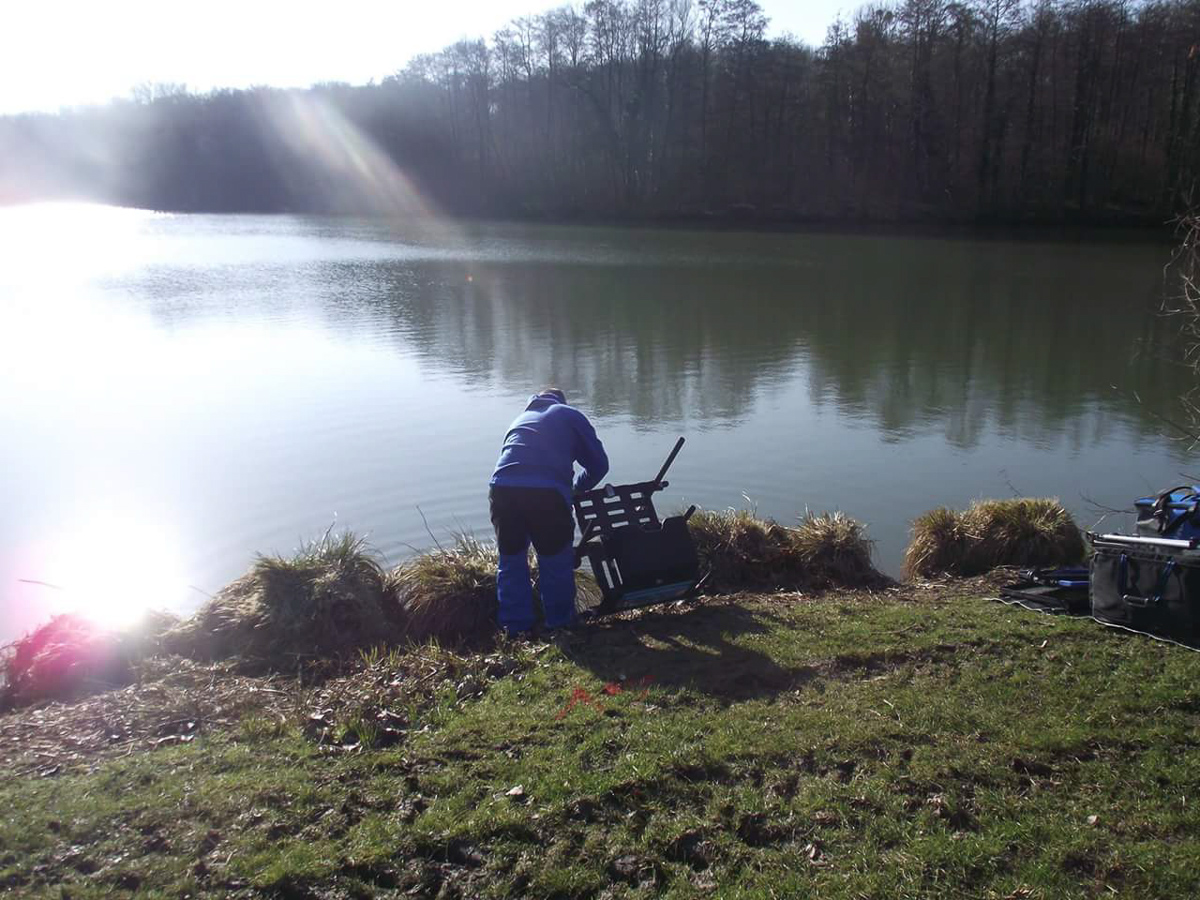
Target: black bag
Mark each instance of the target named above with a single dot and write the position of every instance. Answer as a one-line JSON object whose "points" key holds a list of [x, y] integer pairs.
{"points": [[1146, 587]]}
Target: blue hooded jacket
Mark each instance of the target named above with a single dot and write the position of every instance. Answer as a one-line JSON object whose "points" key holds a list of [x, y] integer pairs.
{"points": [[544, 443]]}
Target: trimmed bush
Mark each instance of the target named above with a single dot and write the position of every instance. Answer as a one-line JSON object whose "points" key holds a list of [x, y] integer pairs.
{"points": [[991, 533]]}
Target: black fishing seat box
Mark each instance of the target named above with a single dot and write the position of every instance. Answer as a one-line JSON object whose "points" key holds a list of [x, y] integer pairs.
{"points": [[637, 558], [1147, 584]]}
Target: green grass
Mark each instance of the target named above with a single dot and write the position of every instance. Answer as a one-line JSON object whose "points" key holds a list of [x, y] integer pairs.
{"points": [[918, 743]]}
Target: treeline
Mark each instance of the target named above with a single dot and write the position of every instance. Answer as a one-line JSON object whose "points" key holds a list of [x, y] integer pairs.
{"points": [[1086, 110]]}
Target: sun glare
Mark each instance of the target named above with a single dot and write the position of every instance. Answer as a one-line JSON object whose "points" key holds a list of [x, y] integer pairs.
{"points": [[110, 567], [48, 245]]}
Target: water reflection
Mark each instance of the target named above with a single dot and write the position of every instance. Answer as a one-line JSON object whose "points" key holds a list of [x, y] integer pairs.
{"points": [[655, 345], [955, 337]]}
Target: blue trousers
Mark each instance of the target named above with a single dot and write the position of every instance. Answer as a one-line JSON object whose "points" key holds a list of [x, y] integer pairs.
{"points": [[542, 517]]}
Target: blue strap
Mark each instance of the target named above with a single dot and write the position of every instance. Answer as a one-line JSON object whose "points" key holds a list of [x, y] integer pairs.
{"points": [[1162, 582], [1159, 588]]}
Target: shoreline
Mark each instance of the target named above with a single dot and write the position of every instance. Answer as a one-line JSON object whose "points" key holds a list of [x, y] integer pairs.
{"points": [[333, 599], [1065, 228]]}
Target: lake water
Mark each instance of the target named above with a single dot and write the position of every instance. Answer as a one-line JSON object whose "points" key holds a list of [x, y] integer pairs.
{"points": [[178, 393]]}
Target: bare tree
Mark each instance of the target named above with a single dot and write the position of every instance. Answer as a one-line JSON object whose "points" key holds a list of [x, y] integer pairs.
{"points": [[932, 109], [1185, 304]]}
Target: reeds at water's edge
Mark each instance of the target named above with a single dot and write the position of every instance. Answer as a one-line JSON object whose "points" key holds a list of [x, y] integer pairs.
{"points": [[332, 599], [992, 533]]}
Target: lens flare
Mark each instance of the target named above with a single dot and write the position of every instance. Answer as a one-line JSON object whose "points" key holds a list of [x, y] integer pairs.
{"points": [[354, 172], [110, 567], [56, 245]]}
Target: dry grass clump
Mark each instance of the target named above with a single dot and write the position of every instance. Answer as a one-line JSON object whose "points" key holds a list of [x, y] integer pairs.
{"points": [[70, 656], [991, 533], [449, 594], [837, 551], [743, 552], [328, 599], [740, 551]]}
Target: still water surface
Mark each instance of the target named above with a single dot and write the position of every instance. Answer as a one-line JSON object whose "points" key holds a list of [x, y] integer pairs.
{"points": [[179, 392]]}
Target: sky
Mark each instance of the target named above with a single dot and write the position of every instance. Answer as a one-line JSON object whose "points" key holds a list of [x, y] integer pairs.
{"points": [[61, 53]]}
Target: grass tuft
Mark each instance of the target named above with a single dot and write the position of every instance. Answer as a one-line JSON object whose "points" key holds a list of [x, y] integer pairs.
{"points": [[836, 550], [330, 598], [991, 533], [743, 552], [449, 595], [740, 551], [938, 543]]}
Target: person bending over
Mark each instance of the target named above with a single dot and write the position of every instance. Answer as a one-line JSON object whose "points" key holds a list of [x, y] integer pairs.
{"points": [[530, 500]]}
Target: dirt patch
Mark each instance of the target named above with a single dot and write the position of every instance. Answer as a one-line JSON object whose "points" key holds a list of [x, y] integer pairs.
{"points": [[1032, 767], [638, 871], [694, 849], [175, 700]]}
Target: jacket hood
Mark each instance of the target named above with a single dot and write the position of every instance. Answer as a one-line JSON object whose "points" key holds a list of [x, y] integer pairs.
{"points": [[545, 400]]}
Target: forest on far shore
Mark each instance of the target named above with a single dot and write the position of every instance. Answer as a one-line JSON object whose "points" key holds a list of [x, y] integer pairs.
{"points": [[1083, 111]]}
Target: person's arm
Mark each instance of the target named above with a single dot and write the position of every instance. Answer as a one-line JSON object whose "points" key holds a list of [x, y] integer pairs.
{"points": [[589, 453]]}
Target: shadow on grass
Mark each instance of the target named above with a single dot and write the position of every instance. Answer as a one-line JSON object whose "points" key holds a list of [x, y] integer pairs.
{"points": [[696, 648]]}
